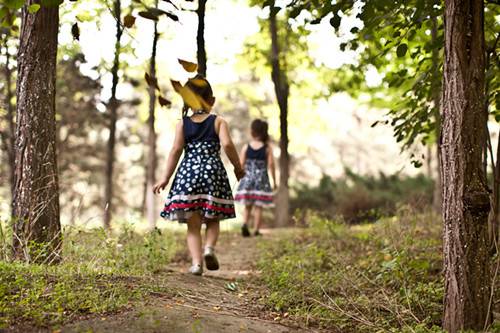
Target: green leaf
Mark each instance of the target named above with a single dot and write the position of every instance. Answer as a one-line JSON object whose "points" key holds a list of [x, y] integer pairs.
{"points": [[34, 8], [3, 12], [401, 50]]}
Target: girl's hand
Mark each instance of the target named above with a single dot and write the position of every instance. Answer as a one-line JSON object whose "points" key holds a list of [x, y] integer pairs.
{"points": [[160, 186], [239, 173], [275, 187]]}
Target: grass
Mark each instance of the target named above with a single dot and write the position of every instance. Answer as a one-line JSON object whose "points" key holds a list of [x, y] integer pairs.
{"points": [[99, 274], [380, 277]]}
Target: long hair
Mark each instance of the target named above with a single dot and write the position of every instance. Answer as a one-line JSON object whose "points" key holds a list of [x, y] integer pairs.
{"points": [[200, 86], [259, 129]]}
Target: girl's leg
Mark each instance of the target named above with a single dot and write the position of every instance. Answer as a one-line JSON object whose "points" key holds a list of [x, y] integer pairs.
{"points": [[212, 233], [194, 238], [247, 214], [246, 220], [257, 211], [211, 239]]}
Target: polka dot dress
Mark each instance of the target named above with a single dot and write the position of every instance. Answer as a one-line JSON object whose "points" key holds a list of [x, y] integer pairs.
{"points": [[255, 189], [201, 183]]}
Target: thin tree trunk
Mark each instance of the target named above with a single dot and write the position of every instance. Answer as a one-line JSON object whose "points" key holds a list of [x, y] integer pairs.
{"points": [[466, 201], [37, 229], [437, 115], [281, 88], [493, 220], [493, 223], [151, 169], [113, 116], [8, 137], [200, 38]]}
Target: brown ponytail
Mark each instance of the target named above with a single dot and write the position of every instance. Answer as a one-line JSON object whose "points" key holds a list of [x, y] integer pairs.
{"points": [[260, 130]]}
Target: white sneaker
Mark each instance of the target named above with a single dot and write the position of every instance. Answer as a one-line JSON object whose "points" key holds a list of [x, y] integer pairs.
{"points": [[210, 259], [196, 269]]}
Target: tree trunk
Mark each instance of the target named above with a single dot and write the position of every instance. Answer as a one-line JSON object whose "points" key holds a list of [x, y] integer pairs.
{"points": [[465, 194], [200, 38], [37, 229], [151, 169], [282, 89], [493, 220], [113, 110], [436, 200], [495, 203], [8, 137]]}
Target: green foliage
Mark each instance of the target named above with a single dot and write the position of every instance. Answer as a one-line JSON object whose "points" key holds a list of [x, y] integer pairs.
{"points": [[371, 278], [49, 295], [362, 198], [403, 40], [98, 274]]}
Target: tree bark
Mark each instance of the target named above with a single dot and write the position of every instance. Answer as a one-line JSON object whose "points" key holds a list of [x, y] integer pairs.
{"points": [[282, 89], [151, 165], [466, 201], [113, 116], [37, 229], [200, 38], [8, 137]]}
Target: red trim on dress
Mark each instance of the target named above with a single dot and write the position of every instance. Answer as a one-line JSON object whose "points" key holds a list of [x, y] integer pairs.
{"points": [[198, 204]]}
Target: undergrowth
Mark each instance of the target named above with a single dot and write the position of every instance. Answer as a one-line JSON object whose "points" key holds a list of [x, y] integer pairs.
{"points": [[380, 277], [99, 274]]}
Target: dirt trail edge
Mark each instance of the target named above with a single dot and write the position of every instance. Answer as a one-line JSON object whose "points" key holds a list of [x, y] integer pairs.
{"points": [[220, 301]]}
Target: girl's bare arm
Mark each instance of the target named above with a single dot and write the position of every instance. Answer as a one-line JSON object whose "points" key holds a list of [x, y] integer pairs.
{"points": [[243, 155], [271, 165], [229, 148], [173, 158]]}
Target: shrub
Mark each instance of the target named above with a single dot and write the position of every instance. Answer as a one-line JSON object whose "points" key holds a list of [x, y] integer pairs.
{"points": [[362, 198]]}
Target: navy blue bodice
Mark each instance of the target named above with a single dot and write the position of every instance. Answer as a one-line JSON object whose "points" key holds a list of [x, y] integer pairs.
{"points": [[257, 154], [199, 132]]}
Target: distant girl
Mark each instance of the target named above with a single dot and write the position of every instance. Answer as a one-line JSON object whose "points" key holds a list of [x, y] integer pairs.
{"points": [[200, 192], [255, 191]]}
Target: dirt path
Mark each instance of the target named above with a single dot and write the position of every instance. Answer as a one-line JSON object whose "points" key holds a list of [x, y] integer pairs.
{"points": [[202, 304]]}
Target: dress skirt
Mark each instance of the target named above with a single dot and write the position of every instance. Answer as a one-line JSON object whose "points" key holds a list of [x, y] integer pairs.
{"points": [[255, 189], [200, 186]]}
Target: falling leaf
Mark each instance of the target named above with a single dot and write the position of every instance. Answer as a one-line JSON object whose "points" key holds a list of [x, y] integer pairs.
{"points": [[199, 82], [152, 82], [163, 101], [75, 31], [173, 17], [148, 15], [188, 66], [188, 96], [129, 21]]}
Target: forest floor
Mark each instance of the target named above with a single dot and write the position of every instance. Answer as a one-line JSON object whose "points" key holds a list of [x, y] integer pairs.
{"points": [[226, 300]]}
